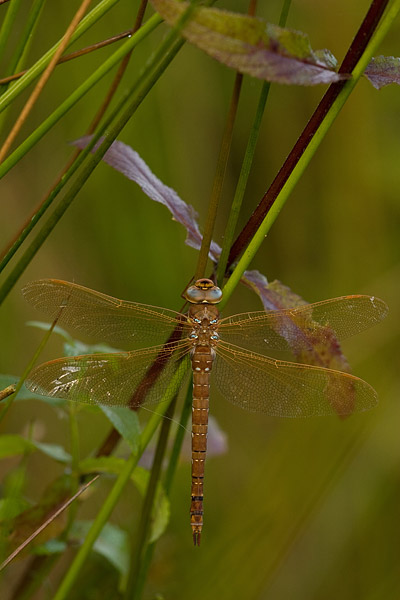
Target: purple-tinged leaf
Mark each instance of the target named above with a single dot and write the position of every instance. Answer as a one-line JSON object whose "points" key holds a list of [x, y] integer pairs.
{"points": [[319, 345], [383, 70], [124, 159], [251, 45]]}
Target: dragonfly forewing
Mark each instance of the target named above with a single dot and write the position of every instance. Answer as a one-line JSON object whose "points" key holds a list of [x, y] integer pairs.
{"points": [[304, 328], [103, 317]]}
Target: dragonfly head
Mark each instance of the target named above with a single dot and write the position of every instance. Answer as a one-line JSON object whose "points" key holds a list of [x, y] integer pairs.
{"points": [[204, 290]]}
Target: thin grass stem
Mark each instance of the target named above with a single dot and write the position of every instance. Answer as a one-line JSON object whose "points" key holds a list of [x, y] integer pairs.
{"points": [[303, 161], [80, 91], [246, 167], [143, 534], [88, 21], [68, 582]]}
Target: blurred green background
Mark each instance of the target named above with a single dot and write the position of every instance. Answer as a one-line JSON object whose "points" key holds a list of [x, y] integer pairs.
{"points": [[295, 509]]}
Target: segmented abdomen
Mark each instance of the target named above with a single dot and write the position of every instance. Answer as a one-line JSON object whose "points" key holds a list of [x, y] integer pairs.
{"points": [[202, 361]]}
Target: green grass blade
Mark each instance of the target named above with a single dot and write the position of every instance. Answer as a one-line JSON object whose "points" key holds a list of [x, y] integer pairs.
{"points": [[309, 152], [67, 584], [85, 87], [19, 86], [8, 24]]}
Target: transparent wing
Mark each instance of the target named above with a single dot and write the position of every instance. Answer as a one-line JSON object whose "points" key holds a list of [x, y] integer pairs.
{"points": [[302, 328], [285, 389], [123, 378], [100, 316]]}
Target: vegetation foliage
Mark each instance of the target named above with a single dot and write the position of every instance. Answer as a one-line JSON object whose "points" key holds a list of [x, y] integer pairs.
{"points": [[293, 509]]}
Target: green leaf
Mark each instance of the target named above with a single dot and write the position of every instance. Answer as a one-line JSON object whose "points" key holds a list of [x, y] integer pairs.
{"points": [[54, 451], [14, 445], [161, 508], [12, 507], [251, 45], [126, 422], [46, 326], [102, 464], [73, 347], [112, 543], [50, 547], [383, 70]]}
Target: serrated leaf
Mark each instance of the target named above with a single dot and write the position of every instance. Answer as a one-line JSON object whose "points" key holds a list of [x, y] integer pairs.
{"points": [[251, 45], [383, 70], [126, 422]]}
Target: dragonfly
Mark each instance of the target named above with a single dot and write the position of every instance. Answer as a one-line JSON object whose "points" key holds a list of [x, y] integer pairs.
{"points": [[229, 353]]}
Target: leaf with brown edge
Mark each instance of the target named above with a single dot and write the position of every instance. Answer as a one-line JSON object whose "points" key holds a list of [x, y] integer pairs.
{"points": [[251, 45], [383, 70], [323, 347]]}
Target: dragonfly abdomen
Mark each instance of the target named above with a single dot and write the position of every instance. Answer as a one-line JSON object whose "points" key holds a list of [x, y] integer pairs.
{"points": [[202, 361]]}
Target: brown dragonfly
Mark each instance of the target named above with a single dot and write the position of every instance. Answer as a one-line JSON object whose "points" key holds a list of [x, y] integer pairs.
{"points": [[223, 350]]}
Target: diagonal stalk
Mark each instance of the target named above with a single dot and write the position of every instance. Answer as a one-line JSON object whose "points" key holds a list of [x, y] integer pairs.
{"points": [[131, 100], [142, 537], [362, 46], [341, 91], [90, 19], [219, 177], [173, 462], [246, 166], [43, 80], [67, 584]]}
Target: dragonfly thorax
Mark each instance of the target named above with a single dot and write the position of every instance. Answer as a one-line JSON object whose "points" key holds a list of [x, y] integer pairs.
{"points": [[204, 319]]}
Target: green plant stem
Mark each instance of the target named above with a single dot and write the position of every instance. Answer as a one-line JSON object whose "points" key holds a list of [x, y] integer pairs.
{"points": [[127, 105], [65, 106], [132, 98], [24, 41], [179, 437], [246, 167], [21, 51], [309, 151], [8, 24], [173, 462], [353, 55], [108, 506], [242, 183], [33, 578], [90, 19], [7, 404], [142, 537], [219, 177]]}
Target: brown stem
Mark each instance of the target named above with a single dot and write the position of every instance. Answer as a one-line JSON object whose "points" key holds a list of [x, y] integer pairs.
{"points": [[353, 54], [77, 54], [220, 171], [91, 128], [43, 80]]}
